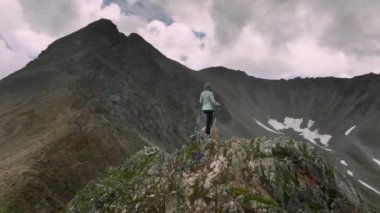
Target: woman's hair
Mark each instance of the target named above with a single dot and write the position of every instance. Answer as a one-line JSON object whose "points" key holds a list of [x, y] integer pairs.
{"points": [[207, 86]]}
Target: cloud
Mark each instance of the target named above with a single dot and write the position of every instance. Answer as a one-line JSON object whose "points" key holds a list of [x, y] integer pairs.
{"points": [[306, 56], [51, 17], [268, 39], [199, 34], [61, 17], [282, 39], [183, 57], [147, 9], [18, 44], [27, 28], [175, 41], [7, 55], [230, 17], [354, 27]]}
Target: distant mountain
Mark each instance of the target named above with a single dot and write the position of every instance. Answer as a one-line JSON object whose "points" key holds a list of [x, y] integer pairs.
{"points": [[96, 97]]}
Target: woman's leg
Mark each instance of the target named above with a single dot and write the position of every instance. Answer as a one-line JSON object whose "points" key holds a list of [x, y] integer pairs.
{"points": [[209, 120]]}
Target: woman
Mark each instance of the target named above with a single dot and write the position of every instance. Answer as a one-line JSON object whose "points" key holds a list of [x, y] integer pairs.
{"points": [[208, 102]]}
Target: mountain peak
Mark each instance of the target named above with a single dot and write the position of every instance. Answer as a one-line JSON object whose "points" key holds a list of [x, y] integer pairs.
{"points": [[95, 33], [103, 21], [101, 33], [135, 36], [102, 24], [101, 28]]}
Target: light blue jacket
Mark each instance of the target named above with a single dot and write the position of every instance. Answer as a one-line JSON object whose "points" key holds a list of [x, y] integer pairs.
{"points": [[207, 100]]}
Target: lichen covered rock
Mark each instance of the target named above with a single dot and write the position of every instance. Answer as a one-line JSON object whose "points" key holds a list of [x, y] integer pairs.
{"points": [[237, 175]]}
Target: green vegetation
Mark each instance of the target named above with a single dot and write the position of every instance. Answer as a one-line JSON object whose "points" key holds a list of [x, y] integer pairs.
{"points": [[147, 161], [316, 207], [190, 149], [248, 197]]}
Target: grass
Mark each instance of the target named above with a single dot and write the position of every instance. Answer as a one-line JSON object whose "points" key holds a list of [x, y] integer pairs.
{"points": [[248, 197], [147, 161]]}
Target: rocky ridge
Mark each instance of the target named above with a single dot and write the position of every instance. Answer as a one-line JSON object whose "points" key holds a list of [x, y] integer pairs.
{"points": [[235, 175]]}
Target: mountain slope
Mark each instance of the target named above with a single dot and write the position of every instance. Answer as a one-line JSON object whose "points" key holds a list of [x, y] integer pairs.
{"points": [[89, 101], [96, 97]]}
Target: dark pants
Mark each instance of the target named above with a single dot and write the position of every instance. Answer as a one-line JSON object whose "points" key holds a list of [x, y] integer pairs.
{"points": [[209, 120]]}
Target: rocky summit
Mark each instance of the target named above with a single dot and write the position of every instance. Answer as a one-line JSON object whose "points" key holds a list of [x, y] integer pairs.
{"points": [[235, 175]]}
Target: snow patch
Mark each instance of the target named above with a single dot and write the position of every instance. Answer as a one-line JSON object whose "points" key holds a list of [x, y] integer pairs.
{"points": [[350, 130], [307, 133], [369, 187], [350, 173], [310, 124], [343, 162], [267, 128], [376, 161], [276, 125], [327, 149]]}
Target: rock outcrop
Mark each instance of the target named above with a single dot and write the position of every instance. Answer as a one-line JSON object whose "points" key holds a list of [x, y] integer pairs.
{"points": [[236, 175]]}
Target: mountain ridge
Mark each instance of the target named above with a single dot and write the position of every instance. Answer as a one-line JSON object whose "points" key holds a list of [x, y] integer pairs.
{"points": [[236, 175]]}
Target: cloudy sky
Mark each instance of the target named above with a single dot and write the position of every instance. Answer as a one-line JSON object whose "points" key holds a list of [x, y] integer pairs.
{"points": [[265, 38]]}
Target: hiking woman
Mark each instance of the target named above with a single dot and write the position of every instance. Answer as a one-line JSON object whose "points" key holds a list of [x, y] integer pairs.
{"points": [[208, 102]]}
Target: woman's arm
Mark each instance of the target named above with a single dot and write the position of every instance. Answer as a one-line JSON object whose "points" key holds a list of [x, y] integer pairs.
{"points": [[213, 101]]}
